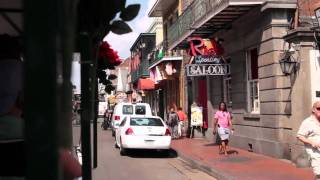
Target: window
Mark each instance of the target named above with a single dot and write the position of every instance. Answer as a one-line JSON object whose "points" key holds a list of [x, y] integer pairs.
{"points": [[227, 88], [140, 110], [227, 91], [127, 109], [145, 122], [253, 82]]}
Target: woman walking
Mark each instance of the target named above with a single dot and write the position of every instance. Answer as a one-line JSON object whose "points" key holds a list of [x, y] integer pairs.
{"points": [[222, 124]]}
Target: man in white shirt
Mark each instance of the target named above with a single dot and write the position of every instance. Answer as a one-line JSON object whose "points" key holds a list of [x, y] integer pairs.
{"points": [[309, 134]]}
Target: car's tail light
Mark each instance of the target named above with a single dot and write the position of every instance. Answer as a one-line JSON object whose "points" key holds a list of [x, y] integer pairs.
{"points": [[167, 132], [129, 131], [116, 118]]}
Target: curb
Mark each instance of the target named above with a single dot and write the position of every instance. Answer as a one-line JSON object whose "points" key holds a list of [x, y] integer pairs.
{"points": [[202, 166]]}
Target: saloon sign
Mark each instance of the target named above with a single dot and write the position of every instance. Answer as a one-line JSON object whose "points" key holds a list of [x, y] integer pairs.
{"points": [[207, 69], [208, 58]]}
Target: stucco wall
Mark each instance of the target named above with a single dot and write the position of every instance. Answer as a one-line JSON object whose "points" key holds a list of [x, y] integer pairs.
{"points": [[268, 132]]}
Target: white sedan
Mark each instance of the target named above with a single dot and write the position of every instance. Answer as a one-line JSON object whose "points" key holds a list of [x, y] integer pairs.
{"points": [[142, 132]]}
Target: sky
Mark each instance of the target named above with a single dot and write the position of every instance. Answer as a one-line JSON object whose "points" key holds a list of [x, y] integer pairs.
{"points": [[123, 43]]}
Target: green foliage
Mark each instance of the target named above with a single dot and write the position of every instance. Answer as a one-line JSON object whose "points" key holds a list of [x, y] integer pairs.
{"points": [[120, 27], [130, 12]]}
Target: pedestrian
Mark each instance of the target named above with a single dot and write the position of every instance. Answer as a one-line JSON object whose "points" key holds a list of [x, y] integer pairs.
{"points": [[222, 125], [309, 134], [183, 120], [172, 122]]}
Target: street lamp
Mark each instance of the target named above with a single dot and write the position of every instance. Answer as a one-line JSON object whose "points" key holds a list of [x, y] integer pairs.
{"points": [[286, 64]]}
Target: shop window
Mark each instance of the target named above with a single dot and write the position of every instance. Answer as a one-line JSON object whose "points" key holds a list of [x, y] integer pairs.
{"points": [[252, 81]]}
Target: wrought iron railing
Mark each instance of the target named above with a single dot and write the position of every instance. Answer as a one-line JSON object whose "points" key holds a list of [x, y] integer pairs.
{"points": [[141, 71], [197, 12], [154, 58]]}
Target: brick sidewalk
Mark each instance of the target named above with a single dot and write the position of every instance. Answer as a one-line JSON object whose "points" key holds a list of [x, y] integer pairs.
{"points": [[240, 164]]}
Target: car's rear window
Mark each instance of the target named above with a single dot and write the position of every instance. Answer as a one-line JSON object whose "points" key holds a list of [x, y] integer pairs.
{"points": [[145, 122], [140, 109], [127, 109]]}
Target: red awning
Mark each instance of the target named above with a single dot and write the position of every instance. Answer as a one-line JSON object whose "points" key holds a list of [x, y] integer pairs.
{"points": [[145, 84]]}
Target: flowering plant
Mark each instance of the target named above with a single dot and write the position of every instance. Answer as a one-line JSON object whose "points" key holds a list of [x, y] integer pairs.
{"points": [[107, 57]]}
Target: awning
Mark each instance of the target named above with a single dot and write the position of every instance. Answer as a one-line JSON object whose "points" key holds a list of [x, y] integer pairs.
{"points": [[145, 84], [171, 58]]}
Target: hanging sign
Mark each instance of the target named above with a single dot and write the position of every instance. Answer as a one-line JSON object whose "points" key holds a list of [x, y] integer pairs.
{"points": [[207, 69], [208, 59]]}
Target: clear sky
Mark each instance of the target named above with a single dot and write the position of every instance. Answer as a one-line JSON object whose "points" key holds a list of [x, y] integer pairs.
{"points": [[140, 24], [122, 43]]}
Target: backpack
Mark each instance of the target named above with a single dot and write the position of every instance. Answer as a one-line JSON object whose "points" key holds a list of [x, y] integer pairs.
{"points": [[173, 119]]}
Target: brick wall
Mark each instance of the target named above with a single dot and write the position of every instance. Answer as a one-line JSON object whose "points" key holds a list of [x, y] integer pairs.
{"points": [[307, 7]]}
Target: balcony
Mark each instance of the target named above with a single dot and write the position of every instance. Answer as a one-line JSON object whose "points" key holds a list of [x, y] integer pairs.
{"points": [[168, 55], [141, 71], [205, 17]]}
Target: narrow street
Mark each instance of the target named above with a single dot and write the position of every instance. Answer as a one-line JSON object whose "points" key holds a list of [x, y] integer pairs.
{"points": [[142, 165]]}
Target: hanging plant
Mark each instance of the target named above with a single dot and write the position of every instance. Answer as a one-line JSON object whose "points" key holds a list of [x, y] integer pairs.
{"points": [[107, 57], [109, 88], [112, 77]]}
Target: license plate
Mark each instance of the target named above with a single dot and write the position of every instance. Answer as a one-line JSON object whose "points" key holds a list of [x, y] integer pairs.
{"points": [[149, 142]]}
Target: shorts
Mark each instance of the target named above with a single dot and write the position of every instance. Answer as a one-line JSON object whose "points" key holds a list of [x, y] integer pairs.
{"points": [[224, 133]]}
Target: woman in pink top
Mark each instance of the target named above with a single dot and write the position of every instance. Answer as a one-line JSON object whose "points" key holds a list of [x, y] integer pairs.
{"points": [[222, 119]]}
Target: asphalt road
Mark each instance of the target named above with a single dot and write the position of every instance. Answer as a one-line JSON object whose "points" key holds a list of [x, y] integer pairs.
{"points": [[140, 164]]}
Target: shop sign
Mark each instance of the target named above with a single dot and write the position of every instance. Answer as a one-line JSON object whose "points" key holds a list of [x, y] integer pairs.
{"points": [[208, 59], [207, 69]]}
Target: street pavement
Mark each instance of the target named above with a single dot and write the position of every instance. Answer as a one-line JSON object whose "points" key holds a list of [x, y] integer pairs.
{"points": [[139, 164], [239, 164]]}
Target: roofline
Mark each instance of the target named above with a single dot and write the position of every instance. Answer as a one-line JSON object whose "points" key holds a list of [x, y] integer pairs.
{"points": [[153, 7]]}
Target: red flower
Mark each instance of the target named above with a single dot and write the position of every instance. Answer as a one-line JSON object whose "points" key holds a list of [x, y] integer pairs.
{"points": [[106, 53]]}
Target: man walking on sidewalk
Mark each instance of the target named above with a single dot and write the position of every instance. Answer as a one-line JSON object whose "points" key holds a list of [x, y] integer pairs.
{"points": [[309, 134]]}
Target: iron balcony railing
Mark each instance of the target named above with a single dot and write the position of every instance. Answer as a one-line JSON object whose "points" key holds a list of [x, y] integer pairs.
{"points": [[154, 58], [198, 12], [141, 71]]}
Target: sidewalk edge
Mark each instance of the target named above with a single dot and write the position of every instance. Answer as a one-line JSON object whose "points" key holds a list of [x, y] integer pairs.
{"points": [[207, 169]]}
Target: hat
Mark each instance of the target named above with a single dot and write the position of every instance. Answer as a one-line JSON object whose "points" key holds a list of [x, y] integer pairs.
{"points": [[10, 83]]}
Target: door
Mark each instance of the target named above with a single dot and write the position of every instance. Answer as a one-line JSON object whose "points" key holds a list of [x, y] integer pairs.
{"points": [[202, 99]]}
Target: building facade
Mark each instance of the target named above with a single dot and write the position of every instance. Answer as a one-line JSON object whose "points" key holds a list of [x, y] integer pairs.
{"points": [[139, 74], [267, 104]]}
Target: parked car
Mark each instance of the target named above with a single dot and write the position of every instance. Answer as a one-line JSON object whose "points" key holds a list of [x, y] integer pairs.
{"points": [[123, 110], [142, 132]]}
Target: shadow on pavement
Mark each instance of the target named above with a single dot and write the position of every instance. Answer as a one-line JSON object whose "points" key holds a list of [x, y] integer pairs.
{"points": [[146, 153], [211, 144]]}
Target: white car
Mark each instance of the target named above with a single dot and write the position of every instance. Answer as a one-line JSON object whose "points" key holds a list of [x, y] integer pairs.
{"points": [[142, 132], [123, 110]]}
